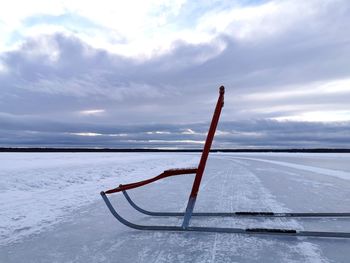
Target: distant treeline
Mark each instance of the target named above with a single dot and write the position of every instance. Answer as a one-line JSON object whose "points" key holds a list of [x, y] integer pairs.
{"points": [[312, 150]]}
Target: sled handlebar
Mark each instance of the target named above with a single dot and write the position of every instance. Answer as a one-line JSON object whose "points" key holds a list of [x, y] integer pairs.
{"points": [[164, 174]]}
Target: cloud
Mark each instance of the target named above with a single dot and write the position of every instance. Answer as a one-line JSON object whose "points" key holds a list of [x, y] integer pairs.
{"points": [[92, 112], [276, 62], [3, 68], [238, 134]]}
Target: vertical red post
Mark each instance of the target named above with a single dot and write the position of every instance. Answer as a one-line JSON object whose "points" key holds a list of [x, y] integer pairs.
{"points": [[204, 157], [208, 143]]}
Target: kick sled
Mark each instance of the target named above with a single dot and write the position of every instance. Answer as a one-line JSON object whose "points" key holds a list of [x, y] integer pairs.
{"points": [[188, 214]]}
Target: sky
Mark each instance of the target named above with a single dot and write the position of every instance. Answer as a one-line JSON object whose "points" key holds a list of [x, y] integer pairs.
{"points": [[145, 74]]}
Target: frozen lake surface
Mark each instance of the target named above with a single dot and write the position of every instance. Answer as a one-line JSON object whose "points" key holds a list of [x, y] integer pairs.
{"points": [[51, 210]]}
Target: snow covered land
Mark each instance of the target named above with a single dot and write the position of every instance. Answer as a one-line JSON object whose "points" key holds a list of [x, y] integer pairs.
{"points": [[51, 210]]}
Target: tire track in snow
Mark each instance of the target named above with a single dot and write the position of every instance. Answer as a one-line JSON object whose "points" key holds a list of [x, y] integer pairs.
{"points": [[214, 249], [240, 189], [335, 173], [248, 194]]}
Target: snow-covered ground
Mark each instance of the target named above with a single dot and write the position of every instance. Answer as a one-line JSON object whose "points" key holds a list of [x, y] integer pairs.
{"points": [[51, 210], [38, 190]]}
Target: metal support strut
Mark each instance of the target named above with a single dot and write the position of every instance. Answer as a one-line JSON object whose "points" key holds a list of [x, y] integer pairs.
{"points": [[208, 142]]}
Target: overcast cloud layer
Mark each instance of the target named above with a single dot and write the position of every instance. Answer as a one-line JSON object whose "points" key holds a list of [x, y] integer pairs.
{"points": [[113, 75]]}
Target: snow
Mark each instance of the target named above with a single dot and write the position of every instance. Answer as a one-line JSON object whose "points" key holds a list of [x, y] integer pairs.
{"points": [[37, 190], [51, 211], [336, 173]]}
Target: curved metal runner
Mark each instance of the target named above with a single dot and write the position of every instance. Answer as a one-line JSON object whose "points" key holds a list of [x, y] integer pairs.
{"points": [[250, 231]]}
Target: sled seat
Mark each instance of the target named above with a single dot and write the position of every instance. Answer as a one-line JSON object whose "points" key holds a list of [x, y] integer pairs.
{"points": [[166, 173]]}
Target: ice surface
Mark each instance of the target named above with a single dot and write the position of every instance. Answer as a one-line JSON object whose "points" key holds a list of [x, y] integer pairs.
{"points": [[51, 211], [38, 190], [330, 172]]}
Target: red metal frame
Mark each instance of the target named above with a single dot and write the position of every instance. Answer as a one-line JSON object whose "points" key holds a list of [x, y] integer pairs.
{"points": [[198, 171], [164, 174], [208, 143]]}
